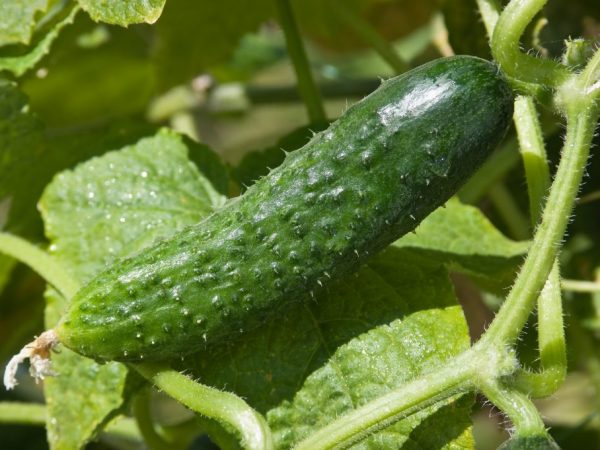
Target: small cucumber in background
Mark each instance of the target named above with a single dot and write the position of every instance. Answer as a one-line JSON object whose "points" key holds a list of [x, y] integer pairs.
{"points": [[371, 177]]}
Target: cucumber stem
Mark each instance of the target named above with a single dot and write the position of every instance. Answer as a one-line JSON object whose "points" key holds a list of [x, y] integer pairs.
{"points": [[35, 414], [580, 286], [306, 83], [40, 262]]}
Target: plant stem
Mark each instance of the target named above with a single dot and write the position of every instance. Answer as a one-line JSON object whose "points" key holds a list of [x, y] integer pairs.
{"points": [[591, 73], [20, 413], [551, 336], [452, 379], [370, 35], [519, 409], [510, 320], [580, 286], [40, 261], [35, 414], [224, 407], [509, 211], [533, 152], [506, 48], [141, 412], [490, 12], [490, 173], [306, 84]]}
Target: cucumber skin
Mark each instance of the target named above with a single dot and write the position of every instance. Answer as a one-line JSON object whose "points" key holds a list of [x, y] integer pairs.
{"points": [[368, 179]]}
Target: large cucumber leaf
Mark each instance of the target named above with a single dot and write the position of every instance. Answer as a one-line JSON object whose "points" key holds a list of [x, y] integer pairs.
{"points": [[462, 238], [129, 198]]}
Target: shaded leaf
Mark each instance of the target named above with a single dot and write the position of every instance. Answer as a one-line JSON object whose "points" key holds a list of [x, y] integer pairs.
{"points": [[19, 64], [466, 32], [20, 141], [93, 74], [124, 214], [195, 35], [392, 19], [578, 18], [18, 20], [7, 265], [21, 307], [123, 12], [461, 237]]}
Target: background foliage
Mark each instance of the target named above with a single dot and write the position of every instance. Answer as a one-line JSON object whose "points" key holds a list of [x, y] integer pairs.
{"points": [[88, 171]]}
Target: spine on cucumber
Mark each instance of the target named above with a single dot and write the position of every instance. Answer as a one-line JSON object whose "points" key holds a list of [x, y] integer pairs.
{"points": [[381, 168]]}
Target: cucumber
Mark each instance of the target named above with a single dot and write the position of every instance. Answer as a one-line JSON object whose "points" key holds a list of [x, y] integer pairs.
{"points": [[371, 177]]}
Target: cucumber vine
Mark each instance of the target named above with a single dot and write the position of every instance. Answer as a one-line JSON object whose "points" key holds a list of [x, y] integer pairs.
{"points": [[491, 366]]}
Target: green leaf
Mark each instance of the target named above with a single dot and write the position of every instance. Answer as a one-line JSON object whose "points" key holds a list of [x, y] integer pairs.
{"points": [[20, 64], [18, 20], [371, 366], [20, 139], [268, 365], [59, 151], [115, 205], [461, 237], [194, 35], [7, 265], [110, 207], [466, 32], [123, 12], [392, 19], [72, 86]]}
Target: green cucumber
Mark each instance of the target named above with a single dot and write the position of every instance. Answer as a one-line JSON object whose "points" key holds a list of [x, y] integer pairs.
{"points": [[371, 177]]}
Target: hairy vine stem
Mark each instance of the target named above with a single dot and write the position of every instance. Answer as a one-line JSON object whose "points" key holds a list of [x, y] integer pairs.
{"points": [[454, 378], [141, 412], [551, 336], [582, 116], [224, 407], [506, 49]]}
